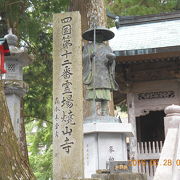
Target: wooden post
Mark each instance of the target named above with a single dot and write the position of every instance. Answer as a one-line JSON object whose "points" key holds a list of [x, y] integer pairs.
{"points": [[67, 97]]}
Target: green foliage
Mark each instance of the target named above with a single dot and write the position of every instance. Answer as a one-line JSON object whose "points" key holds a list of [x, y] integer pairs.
{"points": [[31, 21], [139, 7], [177, 6], [37, 34], [39, 138]]}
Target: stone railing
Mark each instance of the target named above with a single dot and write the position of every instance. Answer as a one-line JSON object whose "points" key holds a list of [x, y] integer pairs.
{"points": [[169, 162]]}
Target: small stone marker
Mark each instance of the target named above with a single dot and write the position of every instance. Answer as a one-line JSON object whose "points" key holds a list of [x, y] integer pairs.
{"points": [[67, 97], [120, 167]]}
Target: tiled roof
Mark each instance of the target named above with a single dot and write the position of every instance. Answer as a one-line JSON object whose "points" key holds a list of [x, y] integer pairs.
{"points": [[146, 35]]}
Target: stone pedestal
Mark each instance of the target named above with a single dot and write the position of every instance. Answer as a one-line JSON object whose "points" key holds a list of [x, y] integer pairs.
{"points": [[84, 179], [104, 142], [121, 176]]}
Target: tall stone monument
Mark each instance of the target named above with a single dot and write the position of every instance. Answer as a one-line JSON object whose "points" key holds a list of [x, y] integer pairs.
{"points": [[67, 97], [15, 87]]}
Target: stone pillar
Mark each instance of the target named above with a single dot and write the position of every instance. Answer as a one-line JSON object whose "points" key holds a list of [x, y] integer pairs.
{"points": [[67, 97], [172, 122], [132, 120], [169, 161], [14, 91], [167, 158], [172, 118], [15, 87]]}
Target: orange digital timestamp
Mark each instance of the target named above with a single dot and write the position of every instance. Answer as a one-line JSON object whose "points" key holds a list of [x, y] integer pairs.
{"points": [[153, 162], [169, 162]]}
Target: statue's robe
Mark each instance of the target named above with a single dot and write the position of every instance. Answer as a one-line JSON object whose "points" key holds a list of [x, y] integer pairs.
{"points": [[104, 71]]}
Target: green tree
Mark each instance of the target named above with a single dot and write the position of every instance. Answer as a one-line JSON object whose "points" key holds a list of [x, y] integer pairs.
{"points": [[38, 102], [140, 7], [31, 21], [177, 6]]}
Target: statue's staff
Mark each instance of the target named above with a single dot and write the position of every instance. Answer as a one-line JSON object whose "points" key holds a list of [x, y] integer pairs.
{"points": [[94, 70]]}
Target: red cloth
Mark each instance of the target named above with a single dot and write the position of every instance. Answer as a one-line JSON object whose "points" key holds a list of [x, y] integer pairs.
{"points": [[2, 53]]}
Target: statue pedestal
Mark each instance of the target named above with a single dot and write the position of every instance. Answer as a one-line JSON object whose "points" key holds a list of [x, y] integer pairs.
{"points": [[104, 142]]}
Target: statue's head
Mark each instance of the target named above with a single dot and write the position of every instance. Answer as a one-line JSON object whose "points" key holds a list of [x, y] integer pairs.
{"points": [[99, 37], [102, 34]]}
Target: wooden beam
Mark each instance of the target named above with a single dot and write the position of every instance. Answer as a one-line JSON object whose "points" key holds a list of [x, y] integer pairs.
{"points": [[146, 57]]}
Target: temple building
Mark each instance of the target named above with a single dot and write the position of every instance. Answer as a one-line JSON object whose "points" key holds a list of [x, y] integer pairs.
{"points": [[148, 73]]}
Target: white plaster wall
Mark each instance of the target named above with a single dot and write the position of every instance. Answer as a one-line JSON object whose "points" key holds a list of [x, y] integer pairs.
{"points": [[143, 107]]}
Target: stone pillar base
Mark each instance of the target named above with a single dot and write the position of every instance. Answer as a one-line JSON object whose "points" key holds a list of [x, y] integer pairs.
{"points": [[83, 179], [104, 142], [121, 176]]}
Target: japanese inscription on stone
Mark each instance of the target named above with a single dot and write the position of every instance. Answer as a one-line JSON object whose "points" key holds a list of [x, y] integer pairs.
{"points": [[111, 152], [67, 96]]}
